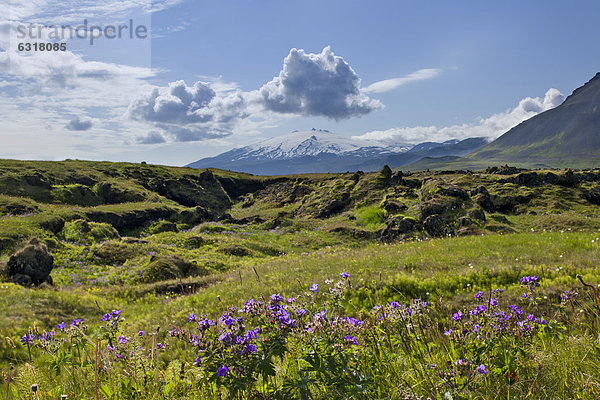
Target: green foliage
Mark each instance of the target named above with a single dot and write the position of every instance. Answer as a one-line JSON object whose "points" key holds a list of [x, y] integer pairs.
{"points": [[74, 194], [88, 232], [370, 215]]}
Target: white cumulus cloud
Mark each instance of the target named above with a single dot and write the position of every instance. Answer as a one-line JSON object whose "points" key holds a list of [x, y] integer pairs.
{"points": [[317, 84], [309, 84]]}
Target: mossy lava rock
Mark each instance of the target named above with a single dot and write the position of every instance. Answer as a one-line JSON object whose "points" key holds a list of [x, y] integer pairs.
{"points": [[31, 264]]}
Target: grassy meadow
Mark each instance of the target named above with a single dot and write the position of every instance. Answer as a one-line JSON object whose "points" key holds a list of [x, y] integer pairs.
{"points": [[172, 283]]}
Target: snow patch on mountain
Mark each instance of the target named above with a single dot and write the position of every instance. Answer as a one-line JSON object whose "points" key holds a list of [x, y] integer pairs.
{"points": [[309, 143]]}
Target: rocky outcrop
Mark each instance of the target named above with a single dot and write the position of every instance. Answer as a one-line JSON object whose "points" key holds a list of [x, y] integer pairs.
{"points": [[592, 195], [162, 268], [482, 197], [31, 264], [397, 227], [393, 206], [333, 205], [436, 226]]}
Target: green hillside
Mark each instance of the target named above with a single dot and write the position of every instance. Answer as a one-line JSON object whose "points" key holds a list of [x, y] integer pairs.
{"points": [[159, 243]]}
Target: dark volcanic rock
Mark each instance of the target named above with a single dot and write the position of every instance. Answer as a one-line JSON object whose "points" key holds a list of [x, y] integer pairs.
{"points": [[333, 206], [132, 218], [482, 197], [507, 203], [453, 191], [111, 194], [477, 214], [393, 206], [592, 195], [504, 170], [464, 222], [52, 223], [353, 232], [165, 226], [397, 227], [196, 215], [435, 226], [31, 264]]}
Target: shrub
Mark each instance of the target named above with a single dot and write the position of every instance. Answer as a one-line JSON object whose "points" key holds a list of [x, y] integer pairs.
{"points": [[370, 215]]}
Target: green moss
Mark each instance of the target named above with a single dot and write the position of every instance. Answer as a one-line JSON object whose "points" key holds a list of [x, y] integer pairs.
{"points": [[370, 216], [75, 194], [88, 232]]}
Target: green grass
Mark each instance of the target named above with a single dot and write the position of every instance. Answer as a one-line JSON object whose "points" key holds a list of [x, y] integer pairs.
{"points": [[370, 216], [445, 272], [155, 242]]}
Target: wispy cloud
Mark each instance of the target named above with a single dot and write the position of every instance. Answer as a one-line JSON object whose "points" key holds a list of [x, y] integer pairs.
{"points": [[68, 11], [391, 84]]}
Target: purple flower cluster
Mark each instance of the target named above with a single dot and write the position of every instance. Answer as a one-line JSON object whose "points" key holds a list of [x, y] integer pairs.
{"points": [[113, 315], [530, 281]]}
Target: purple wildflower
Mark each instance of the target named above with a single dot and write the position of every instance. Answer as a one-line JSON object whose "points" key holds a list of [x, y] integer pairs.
{"points": [[481, 369], [205, 324], [457, 316], [191, 317], [350, 340], [531, 281], [26, 339], [344, 274], [320, 315], [568, 295], [515, 310], [276, 297], [478, 310], [314, 287], [197, 361], [222, 371], [251, 334], [61, 326]]}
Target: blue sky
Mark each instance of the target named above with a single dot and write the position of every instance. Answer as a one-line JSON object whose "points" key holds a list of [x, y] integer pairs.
{"points": [[217, 75]]}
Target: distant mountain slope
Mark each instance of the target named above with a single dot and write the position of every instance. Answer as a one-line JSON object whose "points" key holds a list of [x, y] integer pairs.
{"points": [[322, 151], [570, 131]]}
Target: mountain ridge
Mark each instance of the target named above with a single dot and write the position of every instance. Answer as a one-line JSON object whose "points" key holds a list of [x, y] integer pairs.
{"points": [[322, 151]]}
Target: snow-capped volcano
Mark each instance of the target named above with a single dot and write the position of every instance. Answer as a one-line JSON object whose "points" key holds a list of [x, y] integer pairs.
{"points": [[309, 143], [323, 151]]}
